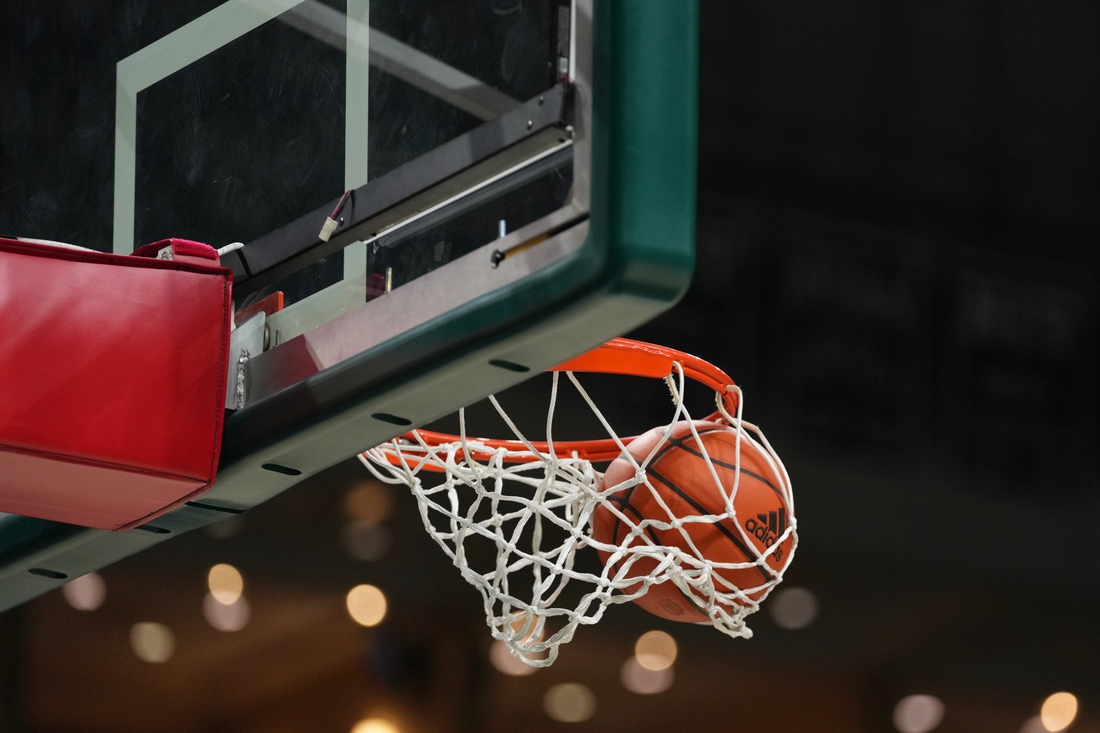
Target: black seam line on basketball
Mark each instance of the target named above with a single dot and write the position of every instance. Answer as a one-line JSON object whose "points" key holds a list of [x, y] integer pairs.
{"points": [[618, 521], [691, 604], [680, 443], [648, 530], [625, 499], [724, 530], [676, 442]]}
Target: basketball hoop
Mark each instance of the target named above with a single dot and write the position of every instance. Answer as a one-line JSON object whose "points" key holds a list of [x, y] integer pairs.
{"points": [[534, 505]]}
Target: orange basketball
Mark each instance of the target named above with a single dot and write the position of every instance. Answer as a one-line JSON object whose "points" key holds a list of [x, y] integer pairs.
{"points": [[680, 475]]}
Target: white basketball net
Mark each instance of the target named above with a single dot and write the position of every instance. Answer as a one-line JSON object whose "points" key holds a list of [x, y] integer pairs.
{"points": [[514, 507]]}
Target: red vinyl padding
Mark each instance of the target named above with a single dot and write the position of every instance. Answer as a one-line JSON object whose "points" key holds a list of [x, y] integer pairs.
{"points": [[112, 382]]}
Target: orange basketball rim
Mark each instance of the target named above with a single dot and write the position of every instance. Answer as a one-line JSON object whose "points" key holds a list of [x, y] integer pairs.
{"points": [[621, 356]]}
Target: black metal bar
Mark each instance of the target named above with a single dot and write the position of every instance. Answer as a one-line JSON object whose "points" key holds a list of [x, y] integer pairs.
{"points": [[419, 184], [474, 200]]}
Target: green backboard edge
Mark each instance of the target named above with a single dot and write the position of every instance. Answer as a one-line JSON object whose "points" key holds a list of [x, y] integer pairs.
{"points": [[637, 262]]}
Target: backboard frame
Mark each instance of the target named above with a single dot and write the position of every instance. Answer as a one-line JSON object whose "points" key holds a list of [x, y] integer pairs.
{"points": [[618, 255]]}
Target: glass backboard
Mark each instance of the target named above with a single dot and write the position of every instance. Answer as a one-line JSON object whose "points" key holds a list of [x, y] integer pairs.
{"points": [[449, 197]]}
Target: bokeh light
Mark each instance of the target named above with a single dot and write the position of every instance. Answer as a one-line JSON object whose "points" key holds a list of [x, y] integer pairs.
{"points": [[506, 663], [226, 617], [366, 605], [152, 642], [642, 681], [86, 593], [365, 541], [520, 621], [655, 650], [225, 583], [1059, 711], [370, 502], [375, 725], [569, 703], [1033, 725], [793, 608], [918, 713]]}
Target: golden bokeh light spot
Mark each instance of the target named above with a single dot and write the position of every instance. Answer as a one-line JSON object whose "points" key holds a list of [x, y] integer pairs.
{"points": [[152, 642], [225, 583], [375, 725], [1059, 711], [366, 605], [655, 650], [569, 703]]}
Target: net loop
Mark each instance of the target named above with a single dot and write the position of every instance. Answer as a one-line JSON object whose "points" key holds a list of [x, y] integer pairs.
{"points": [[515, 516]]}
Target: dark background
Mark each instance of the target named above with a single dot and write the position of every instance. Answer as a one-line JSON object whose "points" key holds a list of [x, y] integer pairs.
{"points": [[898, 218]]}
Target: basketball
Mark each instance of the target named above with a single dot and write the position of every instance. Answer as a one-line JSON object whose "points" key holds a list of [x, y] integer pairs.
{"points": [[678, 473]]}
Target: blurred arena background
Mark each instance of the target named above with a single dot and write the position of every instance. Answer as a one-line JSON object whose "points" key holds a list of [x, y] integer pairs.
{"points": [[897, 260]]}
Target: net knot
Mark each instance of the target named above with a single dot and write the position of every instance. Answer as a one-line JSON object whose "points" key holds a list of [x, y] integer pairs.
{"points": [[518, 522]]}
